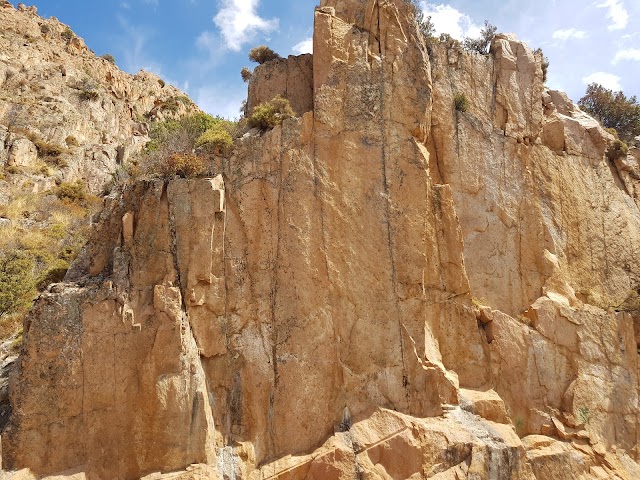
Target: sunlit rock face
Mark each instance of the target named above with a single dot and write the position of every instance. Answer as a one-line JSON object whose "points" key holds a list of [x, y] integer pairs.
{"points": [[384, 288]]}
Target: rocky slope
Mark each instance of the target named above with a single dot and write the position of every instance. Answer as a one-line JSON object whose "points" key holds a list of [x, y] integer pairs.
{"points": [[57, 96], [383, 288]]}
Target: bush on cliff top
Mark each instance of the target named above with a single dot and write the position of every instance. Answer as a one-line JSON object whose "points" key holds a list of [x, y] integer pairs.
{"points": [[262, 54]]}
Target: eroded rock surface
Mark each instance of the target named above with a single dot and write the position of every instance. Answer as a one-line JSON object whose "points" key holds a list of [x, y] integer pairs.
{"points": [[384, 288]]}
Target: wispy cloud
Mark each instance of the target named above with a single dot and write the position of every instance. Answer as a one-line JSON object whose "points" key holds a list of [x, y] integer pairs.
{"points": [[568, 33], [628, 54], [239, 22], [617, 14], [447, 19], [305, 46], [607, 80]]}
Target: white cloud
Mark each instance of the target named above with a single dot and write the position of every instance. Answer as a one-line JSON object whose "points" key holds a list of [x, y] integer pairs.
{"points": [[617, 14], [447, 19], [628, 54], [239, 22], [607, 80], [305, 46], [568, 33]]}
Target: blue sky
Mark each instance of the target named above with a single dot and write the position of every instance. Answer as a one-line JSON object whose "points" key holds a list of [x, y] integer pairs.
{"points": [[201, 45]]}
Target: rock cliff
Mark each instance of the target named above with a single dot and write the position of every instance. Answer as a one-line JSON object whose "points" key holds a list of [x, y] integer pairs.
{"points": [[387, 287]]}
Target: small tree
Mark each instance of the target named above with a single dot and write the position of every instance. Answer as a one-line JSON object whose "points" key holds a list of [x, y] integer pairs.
{"points": [[262, 54], [246, 74], [612, 110], [483, 42]]}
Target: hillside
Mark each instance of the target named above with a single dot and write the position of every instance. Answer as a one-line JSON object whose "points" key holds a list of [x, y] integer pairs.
{"points": [[69, 122], [430, 271]]}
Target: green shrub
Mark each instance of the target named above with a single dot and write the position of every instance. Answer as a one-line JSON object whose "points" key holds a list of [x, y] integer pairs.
{"points": [[67, 34], [44, 29], [72, 192], [612, 131], [217, 139], [617, 149], [109, 58], [269, 114], [17, 285], [262, 54], [461, 102]]}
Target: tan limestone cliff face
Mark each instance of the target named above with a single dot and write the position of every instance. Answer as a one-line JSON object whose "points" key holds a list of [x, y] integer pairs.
{"points": [[116, 361], [384, 288], [291, 78], [541, 210]]}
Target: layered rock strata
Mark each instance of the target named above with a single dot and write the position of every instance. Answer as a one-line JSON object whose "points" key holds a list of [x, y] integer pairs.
{"points": [[386, 287]]}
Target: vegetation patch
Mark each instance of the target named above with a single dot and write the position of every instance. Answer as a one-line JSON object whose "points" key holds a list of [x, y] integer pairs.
{"points": [[72, 191], [617, 149], [482, 43], [246, 74], [217, 139], [67, 34], [109, 58], [460, 102], [267, 115], [262, 54]]}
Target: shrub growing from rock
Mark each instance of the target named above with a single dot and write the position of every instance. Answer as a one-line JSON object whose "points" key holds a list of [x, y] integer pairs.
{"points": [[460, 102], [72, 191], [185, 165], [262, 54], [246, 74], [216, 139], [617, 149], [267, 115], [109, 58]]}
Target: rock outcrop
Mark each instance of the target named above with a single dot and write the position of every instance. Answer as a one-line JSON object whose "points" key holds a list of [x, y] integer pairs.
{"points": [[290, 77], [386, 287]]}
